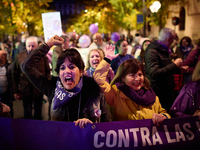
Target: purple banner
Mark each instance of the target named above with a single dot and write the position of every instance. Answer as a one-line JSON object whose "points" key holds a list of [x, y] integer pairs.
{"points": [[19, 134]]}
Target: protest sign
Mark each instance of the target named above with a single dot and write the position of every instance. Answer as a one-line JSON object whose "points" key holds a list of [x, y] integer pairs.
{"points": [[19, 134]]}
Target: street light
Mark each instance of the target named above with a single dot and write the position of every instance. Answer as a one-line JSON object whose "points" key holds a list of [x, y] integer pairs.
{"points": [[155, 6]]}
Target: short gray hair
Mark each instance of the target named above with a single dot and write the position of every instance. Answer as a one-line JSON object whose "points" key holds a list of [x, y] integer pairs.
{"points": [[33, 38], [165, 33]]}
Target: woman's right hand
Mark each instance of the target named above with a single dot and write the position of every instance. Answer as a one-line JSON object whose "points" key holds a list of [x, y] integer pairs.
{"points": [[158, 119], [197, 113], [110, 52], [55, 40]]}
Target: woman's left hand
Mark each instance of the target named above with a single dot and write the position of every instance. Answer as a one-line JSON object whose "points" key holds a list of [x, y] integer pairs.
{"points": [[158, 119], [110, 52], [82, 122]]}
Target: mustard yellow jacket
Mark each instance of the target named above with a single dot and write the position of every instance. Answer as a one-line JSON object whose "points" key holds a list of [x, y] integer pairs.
{"points": [[122, 107]]}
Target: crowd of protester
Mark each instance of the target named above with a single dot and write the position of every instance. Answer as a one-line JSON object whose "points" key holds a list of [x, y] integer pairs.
{"points": [[115, 85]]}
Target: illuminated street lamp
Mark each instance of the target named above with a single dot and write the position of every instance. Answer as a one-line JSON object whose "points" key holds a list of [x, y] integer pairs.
{"points": [[155, 6]]}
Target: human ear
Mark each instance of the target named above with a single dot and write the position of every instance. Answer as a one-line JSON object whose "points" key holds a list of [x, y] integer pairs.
{"points": [[81, 72]]}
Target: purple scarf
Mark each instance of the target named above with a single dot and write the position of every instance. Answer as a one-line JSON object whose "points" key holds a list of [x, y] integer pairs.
{"points": [[186, 50], [142, 97], [165, 47], [62, 96], [90, 71]]}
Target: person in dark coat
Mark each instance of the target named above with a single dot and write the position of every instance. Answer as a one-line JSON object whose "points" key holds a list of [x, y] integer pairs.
{"points": [[188, 101], [6, 90], [22, 45], [159, 68], [23, 88], [182, 52], [75, 97], [184, 48]]}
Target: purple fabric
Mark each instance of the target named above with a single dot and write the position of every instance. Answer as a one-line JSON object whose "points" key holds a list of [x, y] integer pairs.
{"points": [[62, 96], [90, 71], [187, 102], [142, 97], [164, 46], [186, 50], [115, 63], [21, 134]]}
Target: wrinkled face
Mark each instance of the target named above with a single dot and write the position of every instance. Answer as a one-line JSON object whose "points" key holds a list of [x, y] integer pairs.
{"points": [[145, 45], [94, 59], [97, 39], [171, 38], [69, 74], [134, 81], [184, 43], [31, 45], [66, 44], [123, 48]]}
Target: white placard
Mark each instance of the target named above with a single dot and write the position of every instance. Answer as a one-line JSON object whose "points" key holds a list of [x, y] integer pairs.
{"points": [[51, 24], [84, 54]]}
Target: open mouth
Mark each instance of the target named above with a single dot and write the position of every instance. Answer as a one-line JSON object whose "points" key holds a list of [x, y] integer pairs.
{"points": [[68, 80], [95, 63]]}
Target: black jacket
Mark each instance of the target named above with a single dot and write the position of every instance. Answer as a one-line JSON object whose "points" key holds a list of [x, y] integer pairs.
{"points": [[91, 96], [159, 70], [21, 84]]}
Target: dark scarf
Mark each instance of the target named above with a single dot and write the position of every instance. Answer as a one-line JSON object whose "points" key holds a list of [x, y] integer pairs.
{"points": [[90, 71], [62, 96], [142, 97], [186, 50]]}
